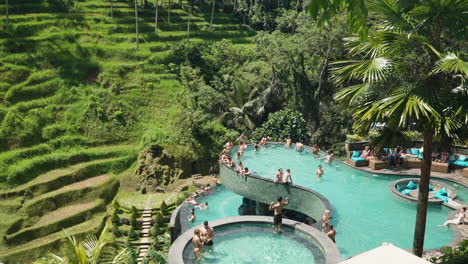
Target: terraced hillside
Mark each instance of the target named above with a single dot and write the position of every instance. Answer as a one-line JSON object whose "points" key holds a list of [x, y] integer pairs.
{"points": [[76, 100]]}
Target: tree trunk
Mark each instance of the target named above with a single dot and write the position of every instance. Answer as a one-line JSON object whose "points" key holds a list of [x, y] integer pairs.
{"points": [[169, 12], [6, 13], [188, 22], [112, 8], [136, 24], [420, 228], [212, 14], [156, 16]]}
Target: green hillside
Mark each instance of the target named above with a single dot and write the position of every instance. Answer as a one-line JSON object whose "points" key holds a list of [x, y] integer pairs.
{"points": [[77, 103]]}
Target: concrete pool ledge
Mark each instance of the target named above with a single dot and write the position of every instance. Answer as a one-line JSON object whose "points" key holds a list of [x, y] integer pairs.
{"points": [[264, 190], [452, 192], [329, 249]]}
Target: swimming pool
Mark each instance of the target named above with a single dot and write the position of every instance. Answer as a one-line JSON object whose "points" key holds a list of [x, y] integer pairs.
{"points": [[365, 211], [255, 243]]}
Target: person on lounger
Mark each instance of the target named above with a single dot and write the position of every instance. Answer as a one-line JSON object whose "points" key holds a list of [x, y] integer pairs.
{"points": [[458, 220]]}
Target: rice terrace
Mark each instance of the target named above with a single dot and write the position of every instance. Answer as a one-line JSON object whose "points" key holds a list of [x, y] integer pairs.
{"points": [[233, 131]]}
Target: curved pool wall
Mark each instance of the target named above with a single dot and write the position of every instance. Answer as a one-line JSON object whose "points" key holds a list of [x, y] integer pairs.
{"points": [[328, 249], [365, 212], [260, 189]]}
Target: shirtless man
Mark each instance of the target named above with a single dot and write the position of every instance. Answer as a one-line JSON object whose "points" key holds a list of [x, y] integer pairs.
{"points": [[319, 171], [246, 172], [263, 141], [315, 149], [203, 206], [287, 179], [198, 244], [241, 138], [288, 142], [299, 146], [279, 175], [208, 234], [331, 233], [278, 217], [329, 157]]}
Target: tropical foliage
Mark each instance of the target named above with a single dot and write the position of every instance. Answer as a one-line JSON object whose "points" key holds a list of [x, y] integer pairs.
{"points": [[282, 124], [410, 75]]}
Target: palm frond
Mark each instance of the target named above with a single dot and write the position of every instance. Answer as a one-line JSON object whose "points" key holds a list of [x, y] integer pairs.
{"points": [[373, 70], [452, 63], [347, 96]]}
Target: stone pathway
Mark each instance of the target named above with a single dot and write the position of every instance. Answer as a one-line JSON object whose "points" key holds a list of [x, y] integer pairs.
{"points": [[145, 243]]}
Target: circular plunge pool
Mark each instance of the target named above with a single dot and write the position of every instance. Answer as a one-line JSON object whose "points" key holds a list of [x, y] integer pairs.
{"points": [[250, 239]]}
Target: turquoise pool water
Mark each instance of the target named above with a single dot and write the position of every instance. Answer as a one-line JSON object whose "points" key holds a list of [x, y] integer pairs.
{"points": [[221, 203], [251, 243], [365, 212]]}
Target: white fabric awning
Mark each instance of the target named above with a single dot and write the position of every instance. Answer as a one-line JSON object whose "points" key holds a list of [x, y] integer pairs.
{"points": [[386, 254]]}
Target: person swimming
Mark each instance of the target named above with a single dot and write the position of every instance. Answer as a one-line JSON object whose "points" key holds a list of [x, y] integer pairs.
{"points": [[246, 172], [203, 206], [315, 149], [319, 171]]}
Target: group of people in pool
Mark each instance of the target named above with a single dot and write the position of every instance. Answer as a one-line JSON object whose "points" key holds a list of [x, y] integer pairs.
{"points": [[191, 200], [202, 237]]}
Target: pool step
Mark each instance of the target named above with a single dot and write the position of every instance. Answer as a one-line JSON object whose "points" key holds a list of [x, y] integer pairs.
{"points": [[145, 244]]}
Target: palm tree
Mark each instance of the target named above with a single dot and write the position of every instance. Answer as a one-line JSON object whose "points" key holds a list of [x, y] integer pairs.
{"points": [[89, 251], [156, 16], [410, 78], [242, 105], [212, 14], [6, 14], [136, 24]]}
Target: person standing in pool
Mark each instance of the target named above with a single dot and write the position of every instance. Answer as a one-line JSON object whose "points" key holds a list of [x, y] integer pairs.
{"points": [[197, 243], [287, 179], [288, 142], [208, 234], [279, 175], [331, 233], [278, 216], [191, 216], [319, 171], [299, 147]]}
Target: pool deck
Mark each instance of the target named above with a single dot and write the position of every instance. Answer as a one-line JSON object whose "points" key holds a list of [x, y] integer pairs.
{"points": [[460, 231]]}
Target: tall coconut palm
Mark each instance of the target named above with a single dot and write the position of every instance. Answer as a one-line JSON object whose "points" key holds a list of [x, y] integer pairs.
{"points": [[156, 16], [89, 251], [410, 77], [242, 106], [6, 14], [136, 25], [212, 14]]}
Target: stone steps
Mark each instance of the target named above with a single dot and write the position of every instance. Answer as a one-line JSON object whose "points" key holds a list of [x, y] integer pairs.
{"points": [[145, 243]]}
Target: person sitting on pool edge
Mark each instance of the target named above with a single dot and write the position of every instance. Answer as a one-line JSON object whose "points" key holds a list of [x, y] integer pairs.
{"points": [[459, 220], [197, 243], [278, 216], [207, 234], [287, 179]]}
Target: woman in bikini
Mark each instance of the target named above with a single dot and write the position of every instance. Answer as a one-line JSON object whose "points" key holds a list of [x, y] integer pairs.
{"points": [[198, 244]]}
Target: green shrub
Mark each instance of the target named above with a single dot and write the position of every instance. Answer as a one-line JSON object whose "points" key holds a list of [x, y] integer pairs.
{"points": [[155, 231], [282, 124], [163, 208], [132, 234], [158, 219], [115, 219], [134, 221], [116, 231]]}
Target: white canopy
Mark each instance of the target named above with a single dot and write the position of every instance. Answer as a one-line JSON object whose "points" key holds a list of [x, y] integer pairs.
{"points": [[386, 254]]}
